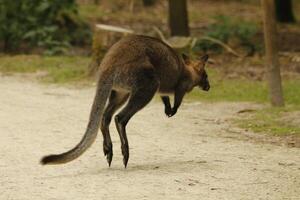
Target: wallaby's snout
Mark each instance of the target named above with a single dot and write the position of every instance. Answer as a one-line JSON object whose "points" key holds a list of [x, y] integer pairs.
{"points": [[204, 83], [206, 87]]}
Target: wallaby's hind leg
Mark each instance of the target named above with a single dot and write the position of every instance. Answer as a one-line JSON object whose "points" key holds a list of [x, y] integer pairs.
{"points": [[116, 100], [138, 99]]}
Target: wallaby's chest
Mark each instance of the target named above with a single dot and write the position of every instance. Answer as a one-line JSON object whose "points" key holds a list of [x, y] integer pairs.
{"points": [[168, 78]]}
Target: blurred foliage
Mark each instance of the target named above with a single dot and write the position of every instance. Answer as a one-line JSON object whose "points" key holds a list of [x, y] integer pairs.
{"points": [[226, 29], [51, 24], [149, 2], [91, 12]]}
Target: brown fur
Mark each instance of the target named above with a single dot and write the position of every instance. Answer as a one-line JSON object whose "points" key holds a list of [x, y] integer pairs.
{"points": [[133, 70]]}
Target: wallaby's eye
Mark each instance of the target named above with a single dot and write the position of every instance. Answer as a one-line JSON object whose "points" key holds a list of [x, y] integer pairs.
{"points": [[204, 75]]}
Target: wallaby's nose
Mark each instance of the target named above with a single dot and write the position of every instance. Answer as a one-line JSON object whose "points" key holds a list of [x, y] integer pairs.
{"points": [[206, 88]]}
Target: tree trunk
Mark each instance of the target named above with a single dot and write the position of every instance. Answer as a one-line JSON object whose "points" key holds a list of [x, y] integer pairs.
{"points": [[284, 11], [178, 18], [271, 46], [149, 2]]}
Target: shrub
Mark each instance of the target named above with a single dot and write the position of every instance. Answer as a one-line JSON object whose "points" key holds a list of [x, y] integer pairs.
{"points": [[226, 29], [51, 24]]}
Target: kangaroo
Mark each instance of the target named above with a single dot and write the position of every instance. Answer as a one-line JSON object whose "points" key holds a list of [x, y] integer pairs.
{"points": [[132, 71]]}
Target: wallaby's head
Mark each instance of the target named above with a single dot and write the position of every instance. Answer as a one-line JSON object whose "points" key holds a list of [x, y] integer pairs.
{"points": [[198, 67]]}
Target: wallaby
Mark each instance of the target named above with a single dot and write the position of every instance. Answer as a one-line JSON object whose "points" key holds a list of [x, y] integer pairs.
{"points": [[132, 71]]}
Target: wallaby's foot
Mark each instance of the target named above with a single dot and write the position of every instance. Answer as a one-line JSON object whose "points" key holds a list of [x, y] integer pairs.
{"points": [[108, 152], [124, 143], [125, 152]]}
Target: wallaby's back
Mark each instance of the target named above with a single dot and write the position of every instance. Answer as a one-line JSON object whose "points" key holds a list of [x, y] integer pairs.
{"points": [[134, 52]]}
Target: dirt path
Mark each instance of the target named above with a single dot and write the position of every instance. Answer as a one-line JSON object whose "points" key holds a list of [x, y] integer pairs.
{"points": [[189, 156]]}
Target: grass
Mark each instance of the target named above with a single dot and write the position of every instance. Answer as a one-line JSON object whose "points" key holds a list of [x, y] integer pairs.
{"points": [[270, 121], [57, 69]]}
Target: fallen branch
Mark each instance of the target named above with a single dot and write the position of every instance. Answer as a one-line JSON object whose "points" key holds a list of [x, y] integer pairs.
{"points": [[161, 35], [114, 29], [225, 46]]}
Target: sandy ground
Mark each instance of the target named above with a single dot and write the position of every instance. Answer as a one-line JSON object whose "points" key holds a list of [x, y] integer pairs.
{"points": [[193, 155]]}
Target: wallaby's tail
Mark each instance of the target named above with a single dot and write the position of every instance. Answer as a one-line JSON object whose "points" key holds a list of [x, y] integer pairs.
{"points": [[102, 93]]}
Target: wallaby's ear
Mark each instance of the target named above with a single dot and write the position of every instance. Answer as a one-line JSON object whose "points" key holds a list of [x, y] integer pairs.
{"points": [[186, 58], [204, 58]]}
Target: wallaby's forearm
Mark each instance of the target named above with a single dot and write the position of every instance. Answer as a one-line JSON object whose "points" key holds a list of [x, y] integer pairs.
{"points": [[178, 96], [168, 108]]}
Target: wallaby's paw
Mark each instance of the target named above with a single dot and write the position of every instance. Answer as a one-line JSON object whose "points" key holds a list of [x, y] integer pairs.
{"points": [[125, 152], [168, 112], [108, 152], [174, 111]]}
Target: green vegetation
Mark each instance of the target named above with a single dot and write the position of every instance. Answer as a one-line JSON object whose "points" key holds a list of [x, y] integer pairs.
{"points": [[52, 25], [58, 69], [91, 12], [270, 120], [225, 29]]}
